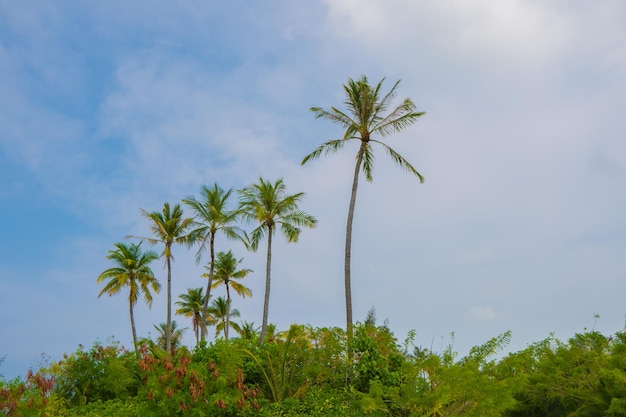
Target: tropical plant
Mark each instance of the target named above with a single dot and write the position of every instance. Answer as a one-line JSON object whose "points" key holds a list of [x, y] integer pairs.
{"points": [[268, 205], [132, 270], [104, 372], [247, 330], [175, 336], [221, 312], [191, 305], [169, 228], [364, 119], [281, 364], [227, 274], [212, 216]]}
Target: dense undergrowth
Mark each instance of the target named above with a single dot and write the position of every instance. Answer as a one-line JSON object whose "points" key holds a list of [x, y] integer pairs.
{"points": [[303, 372]]}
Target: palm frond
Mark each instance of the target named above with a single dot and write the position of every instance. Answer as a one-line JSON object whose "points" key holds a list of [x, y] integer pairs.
{"points": [[399, 119], [331, 146], [399, 159], [368, 161]]}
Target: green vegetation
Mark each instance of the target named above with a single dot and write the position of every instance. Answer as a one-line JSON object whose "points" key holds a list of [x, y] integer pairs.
{"points": [[304, 371]]}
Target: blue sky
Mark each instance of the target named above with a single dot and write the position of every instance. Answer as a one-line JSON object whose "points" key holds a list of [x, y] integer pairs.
{"points": [[111, 107]]}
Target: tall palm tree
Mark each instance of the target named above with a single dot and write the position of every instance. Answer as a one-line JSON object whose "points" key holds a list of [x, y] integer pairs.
{"points": [[222, 313], [132, 270], [268, 205], [212, 216], [364, 120], [227, 274], [169, 228], [191, 305]]}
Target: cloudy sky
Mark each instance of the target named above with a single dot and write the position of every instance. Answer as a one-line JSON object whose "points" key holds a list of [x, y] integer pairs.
{"points": [[114, 106]]}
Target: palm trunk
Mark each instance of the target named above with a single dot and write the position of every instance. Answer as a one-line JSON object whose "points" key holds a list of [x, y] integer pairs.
{"points": [[348, 253], [205, 309], [132, 326], [168, 336], [196, 328], [227, 312], [266, 303]]}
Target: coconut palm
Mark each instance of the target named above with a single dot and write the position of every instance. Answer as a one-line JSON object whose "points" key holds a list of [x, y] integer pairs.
{"points": [[227, 274], [132, 270], [268, 205], [212, 216], [175, 336], [191, 305], [247, 330], [222, 313], [169, 228], [364, 120]]}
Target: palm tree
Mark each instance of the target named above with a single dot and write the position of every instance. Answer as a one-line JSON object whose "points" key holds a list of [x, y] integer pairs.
{"points": [[268, 205], [212, 216], [169, 227], [132, 270], [226, 273], [222, 313], [175, 336], [247, 330], [364, 120], [191, 305]]}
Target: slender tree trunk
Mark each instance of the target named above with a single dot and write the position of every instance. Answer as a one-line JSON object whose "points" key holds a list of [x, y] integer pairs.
{"points": [[196, 328], [227, 312], [168, 329], [348, 253], [268, 266], [205, 309], [132, 326]]}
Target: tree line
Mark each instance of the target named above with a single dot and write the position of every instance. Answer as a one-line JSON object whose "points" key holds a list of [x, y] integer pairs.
{"points": [[265, 204], [367, 119]]}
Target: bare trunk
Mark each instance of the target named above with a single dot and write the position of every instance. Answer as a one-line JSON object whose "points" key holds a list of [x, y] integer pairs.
{"points": [[132, 326], [227, 312], [168, 336], [266, 303], [203, 329], [348, 253]]}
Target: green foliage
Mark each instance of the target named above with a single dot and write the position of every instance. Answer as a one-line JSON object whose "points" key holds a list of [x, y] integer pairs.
{"points": [[279, 362], [32, 397], [185, 385], [102, 373], [303, 371], [377, 356], [584, 377]]}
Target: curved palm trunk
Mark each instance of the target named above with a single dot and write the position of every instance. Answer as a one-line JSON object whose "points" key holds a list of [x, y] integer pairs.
{"points": [[266, 303], [205, 308], [227, 312], [168, 336], [348, 252]]}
